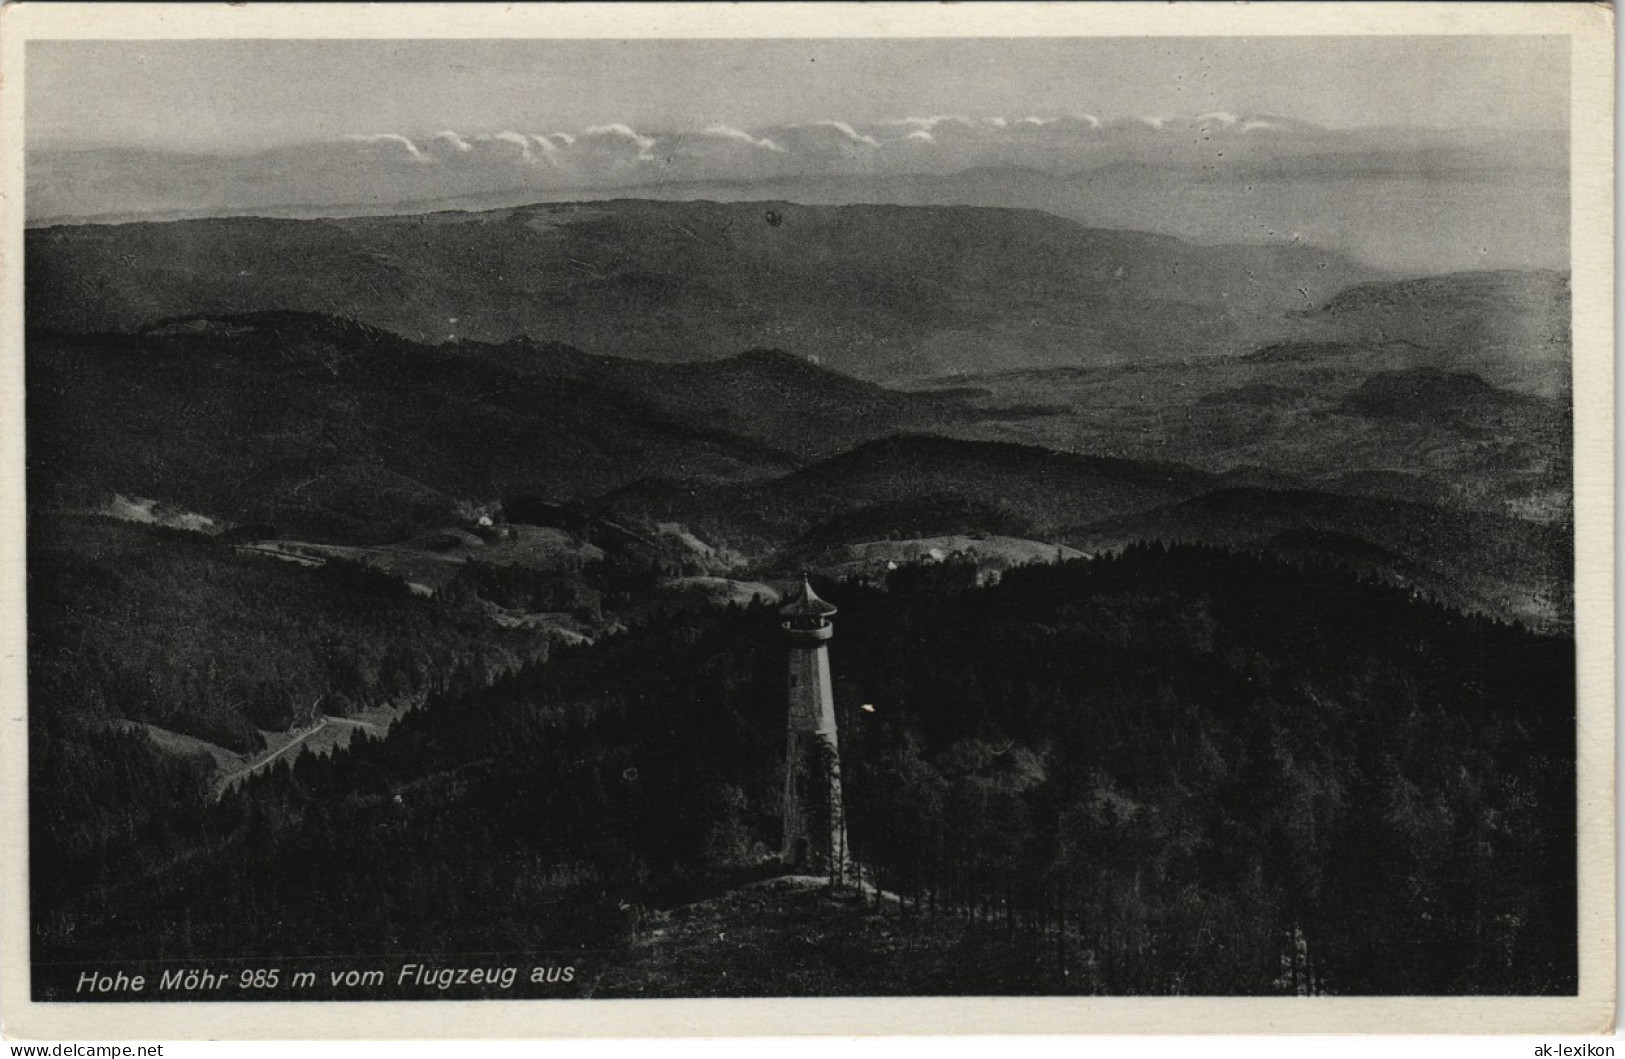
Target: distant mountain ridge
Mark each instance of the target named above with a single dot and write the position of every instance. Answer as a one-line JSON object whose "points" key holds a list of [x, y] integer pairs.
{"points": [[1453, 199], [875, 291]]}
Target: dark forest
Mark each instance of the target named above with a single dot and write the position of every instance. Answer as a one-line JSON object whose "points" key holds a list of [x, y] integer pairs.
{"points": [[1179, 770]]}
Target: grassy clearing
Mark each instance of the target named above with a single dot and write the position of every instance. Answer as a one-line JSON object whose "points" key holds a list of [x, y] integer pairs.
{"points": [[794, 936]]}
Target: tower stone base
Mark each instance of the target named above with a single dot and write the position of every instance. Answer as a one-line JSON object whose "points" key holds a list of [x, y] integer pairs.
{"points": [[814, 814]]}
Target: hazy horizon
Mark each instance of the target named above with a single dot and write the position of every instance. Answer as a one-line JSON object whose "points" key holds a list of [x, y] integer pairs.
{"points": [[1463, 140], [221, 96]]}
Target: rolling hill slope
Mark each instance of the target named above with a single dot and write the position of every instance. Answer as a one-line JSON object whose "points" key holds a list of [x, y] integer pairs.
{"points": [[1511, 328], [1454, 389], [344, 431], [920, 486], [1501, 566]]}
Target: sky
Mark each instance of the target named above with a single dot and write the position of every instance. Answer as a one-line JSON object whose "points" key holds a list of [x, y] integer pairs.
{"points": [[240, 96]]}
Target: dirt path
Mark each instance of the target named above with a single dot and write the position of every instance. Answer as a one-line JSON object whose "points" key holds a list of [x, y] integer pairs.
{"points": [[342, 729], [351, 722], [230, 779]]}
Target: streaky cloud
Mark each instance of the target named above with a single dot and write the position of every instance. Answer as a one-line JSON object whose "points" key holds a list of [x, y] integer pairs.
{"points": [[620, 130], [844, 128], [717, 130], [519, 140], [390, 137], [452, 140]]}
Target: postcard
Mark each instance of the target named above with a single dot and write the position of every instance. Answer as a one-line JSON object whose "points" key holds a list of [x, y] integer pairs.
{"points": [[667, 519]]}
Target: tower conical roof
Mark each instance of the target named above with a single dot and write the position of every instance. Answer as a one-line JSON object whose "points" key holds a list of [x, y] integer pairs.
{"points": [[807, 604]]}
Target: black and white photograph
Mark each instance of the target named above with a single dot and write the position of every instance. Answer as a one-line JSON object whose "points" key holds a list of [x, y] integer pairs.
{"points": [[782, 509]]}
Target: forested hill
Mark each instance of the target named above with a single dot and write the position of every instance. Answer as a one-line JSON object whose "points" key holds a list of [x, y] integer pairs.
{"points": [[1160, 773]]}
